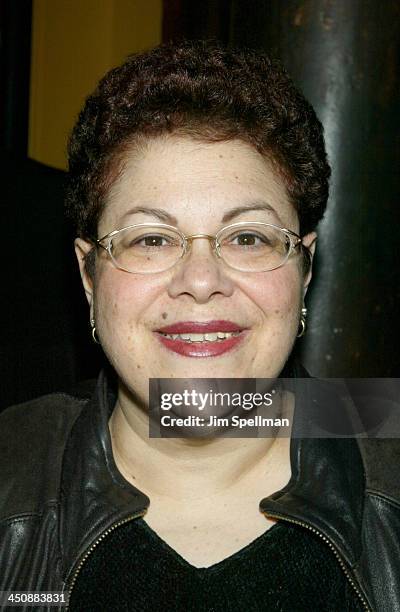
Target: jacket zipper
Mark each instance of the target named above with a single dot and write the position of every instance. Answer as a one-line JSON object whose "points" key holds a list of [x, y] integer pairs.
{"points": [[333, 549], [91, 549]]}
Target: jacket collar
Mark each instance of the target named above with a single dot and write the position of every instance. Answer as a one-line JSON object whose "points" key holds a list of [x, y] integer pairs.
{"points": [[325, 491], [94, 496]]}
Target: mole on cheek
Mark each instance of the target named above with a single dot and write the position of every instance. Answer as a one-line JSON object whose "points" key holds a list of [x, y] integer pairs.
{"points": [[164, 315]]}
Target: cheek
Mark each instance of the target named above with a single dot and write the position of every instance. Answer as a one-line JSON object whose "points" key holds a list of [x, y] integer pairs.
{"points": [[122, 302], [278, 295]]}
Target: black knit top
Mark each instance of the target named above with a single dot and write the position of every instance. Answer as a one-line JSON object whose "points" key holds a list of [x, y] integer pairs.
{"points": [[286, 569]]}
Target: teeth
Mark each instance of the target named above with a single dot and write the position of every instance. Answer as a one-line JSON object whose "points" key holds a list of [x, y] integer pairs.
{"points": [[196, 337], [210, 337]]}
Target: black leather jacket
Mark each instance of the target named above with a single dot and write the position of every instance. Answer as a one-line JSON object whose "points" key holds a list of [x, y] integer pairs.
{"points": [[61, 493]]}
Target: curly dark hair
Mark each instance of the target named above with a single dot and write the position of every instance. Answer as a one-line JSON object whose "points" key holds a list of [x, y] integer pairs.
{"points": [[207, 92]]}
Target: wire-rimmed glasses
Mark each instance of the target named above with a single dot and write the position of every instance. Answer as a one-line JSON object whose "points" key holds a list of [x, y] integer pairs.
{"points": [[148, 248]]}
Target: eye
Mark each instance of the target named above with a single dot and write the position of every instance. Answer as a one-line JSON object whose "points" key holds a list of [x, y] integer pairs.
{"points": [[152, 241], [249, 239]]}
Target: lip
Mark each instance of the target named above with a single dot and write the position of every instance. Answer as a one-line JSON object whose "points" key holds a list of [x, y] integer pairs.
{"points": [[200, 327], [201, 349]]}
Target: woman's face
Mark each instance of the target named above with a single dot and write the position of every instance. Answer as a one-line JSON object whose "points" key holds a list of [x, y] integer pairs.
{"points": [[195, 185]]}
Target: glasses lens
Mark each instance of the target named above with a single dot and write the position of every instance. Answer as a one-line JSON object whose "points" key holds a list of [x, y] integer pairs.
{"points": [[146, 248], [254, 247]]}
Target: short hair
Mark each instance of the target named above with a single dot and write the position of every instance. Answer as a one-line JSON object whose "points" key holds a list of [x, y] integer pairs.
{"points": [[207, 92]]}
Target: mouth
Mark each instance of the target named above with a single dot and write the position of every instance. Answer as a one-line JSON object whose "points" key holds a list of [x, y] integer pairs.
{"points": [[201, 339]]}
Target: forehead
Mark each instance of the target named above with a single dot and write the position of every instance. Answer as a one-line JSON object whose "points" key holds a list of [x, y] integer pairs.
{"points": [[197, 183]]}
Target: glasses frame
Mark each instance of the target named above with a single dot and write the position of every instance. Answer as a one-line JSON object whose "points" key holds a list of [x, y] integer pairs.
{"points": [[294, 239]]}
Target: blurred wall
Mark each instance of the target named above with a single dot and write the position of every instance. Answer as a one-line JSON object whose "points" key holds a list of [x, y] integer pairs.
{"points": [[15, 60], [74, 43]]}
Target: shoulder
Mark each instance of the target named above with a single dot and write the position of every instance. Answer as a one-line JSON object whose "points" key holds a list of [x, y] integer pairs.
{"points": [[32, 441]]}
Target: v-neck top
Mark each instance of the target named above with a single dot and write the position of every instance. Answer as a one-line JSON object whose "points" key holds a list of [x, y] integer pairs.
{"points": [[286, 569]]}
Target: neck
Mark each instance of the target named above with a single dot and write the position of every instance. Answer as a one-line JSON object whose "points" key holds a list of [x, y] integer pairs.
{"points": [[190, 468]]}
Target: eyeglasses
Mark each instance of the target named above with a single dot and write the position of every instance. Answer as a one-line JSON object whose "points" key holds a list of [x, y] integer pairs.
{"points": [[148, 248]]}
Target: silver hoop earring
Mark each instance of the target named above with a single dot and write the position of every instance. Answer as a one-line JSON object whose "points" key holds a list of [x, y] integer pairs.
{"points": [[302, 325], [94, 335]]}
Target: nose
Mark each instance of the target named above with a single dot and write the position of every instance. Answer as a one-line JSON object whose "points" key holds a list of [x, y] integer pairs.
{"points": [[200, 274]]}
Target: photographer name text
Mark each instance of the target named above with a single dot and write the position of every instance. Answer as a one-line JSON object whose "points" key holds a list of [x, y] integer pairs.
{"points": [[214, 421]]}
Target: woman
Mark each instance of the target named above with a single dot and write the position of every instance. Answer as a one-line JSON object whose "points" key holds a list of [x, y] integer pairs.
{"points": [[197, 178]]}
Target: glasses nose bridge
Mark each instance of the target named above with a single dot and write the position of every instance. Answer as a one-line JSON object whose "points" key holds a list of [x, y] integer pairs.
{"points": [[211, 239]]}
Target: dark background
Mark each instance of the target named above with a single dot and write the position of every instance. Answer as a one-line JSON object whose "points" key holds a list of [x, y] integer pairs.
{"points": [[344, 55]]}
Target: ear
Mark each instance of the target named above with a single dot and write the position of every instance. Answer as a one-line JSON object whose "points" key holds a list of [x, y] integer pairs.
{"points": [[310, 242], [82, 249]]}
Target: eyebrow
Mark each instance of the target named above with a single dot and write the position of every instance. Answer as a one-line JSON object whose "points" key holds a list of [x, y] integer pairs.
{"points": [[158, 213], [164, 216], [239, 210]]}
